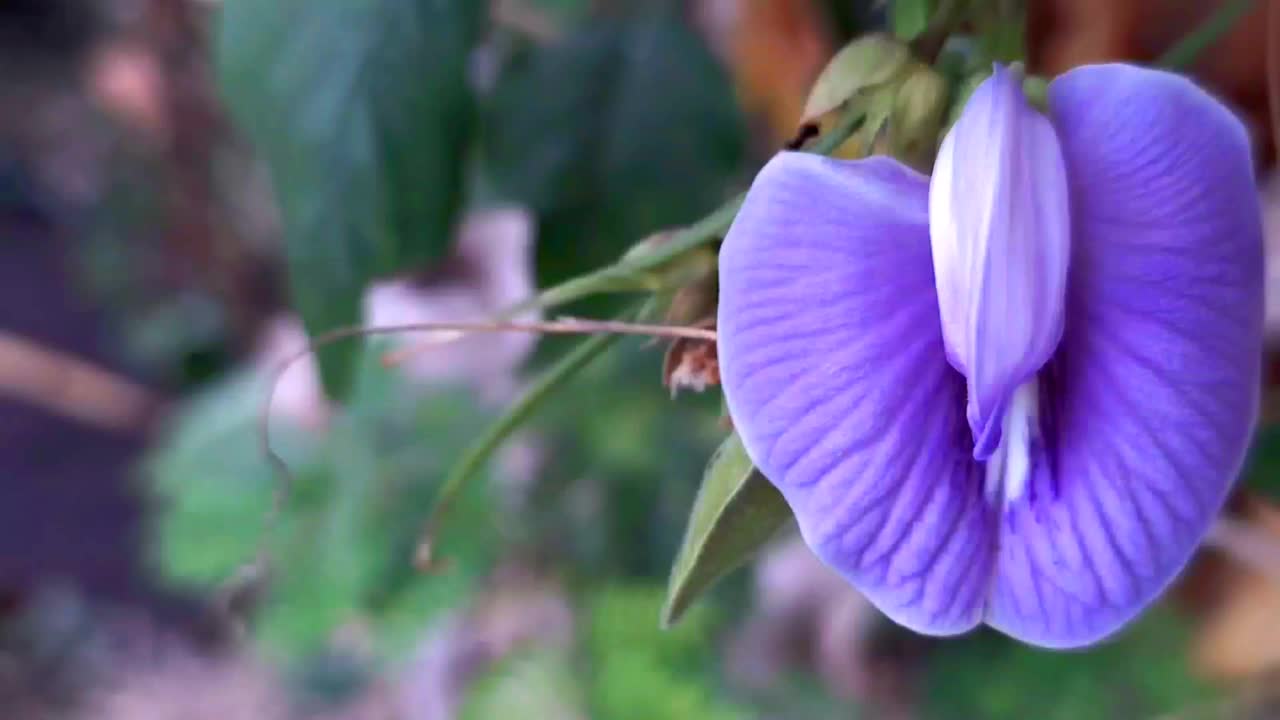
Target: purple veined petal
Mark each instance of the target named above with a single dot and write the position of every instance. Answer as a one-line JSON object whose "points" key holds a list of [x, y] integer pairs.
{"points": [[1000, 229], [835, 374], [1150, 402]]}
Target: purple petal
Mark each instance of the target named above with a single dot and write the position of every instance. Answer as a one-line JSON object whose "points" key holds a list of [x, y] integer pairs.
{"points": [[1000, 228], [836, 377], [1151, 401]]}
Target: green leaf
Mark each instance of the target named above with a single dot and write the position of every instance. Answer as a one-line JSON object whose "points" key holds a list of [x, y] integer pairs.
{"points": [[909, 18], [618, 131], [639, 672], [362, 111], [737, 511]]}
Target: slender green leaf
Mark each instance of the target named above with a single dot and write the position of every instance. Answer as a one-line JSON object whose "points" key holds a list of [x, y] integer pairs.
{"points": [[737, 511], [1217, 25], [362, 111], [488, 442]]}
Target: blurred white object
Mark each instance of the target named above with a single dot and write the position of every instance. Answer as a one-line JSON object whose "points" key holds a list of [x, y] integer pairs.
{"points": [[494, 265], [492, 269], [298, 396]]}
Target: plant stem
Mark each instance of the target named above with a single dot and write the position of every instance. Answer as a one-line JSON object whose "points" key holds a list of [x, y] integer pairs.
{"points": [[1183, 54]]}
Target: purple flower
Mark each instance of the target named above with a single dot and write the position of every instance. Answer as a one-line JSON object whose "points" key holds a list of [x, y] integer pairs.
{"points": [[1016, 393]]}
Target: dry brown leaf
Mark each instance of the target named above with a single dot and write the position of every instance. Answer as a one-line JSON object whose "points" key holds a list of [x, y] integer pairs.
{"points": [[691, 364]]}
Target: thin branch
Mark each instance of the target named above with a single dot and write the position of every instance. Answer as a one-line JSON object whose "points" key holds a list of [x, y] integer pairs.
{"points": [[1185, 52], [563, 326], [71, 387]]}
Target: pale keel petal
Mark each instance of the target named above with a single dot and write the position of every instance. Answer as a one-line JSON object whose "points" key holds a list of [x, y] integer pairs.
{"points": [[1000, 232]]}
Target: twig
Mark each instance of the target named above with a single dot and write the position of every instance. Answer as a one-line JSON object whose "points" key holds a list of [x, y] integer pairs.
{"points": [[565, 325], [1185, 52], [70, 386]]}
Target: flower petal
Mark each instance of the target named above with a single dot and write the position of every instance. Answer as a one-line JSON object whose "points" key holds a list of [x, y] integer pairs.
{"points": [[1000, 231], [1152, 397], [835, 374]]}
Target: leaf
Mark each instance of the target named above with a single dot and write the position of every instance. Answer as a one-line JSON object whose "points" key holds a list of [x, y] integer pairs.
{"points": [[909, 18], [867, 63], [737, 511], [616, 132], [363, 114]]}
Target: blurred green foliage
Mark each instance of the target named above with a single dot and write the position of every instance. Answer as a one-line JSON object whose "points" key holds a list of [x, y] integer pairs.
{"points": [[341, 549], [909, 18], [1262, 470], [628, 669], [363, 112], [618, 130], [643, 673], [609, 504], [537, 684], [1140, 674]]}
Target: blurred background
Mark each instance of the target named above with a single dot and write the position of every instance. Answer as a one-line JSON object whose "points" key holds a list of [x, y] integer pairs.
{"points": [[180, 178]]}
